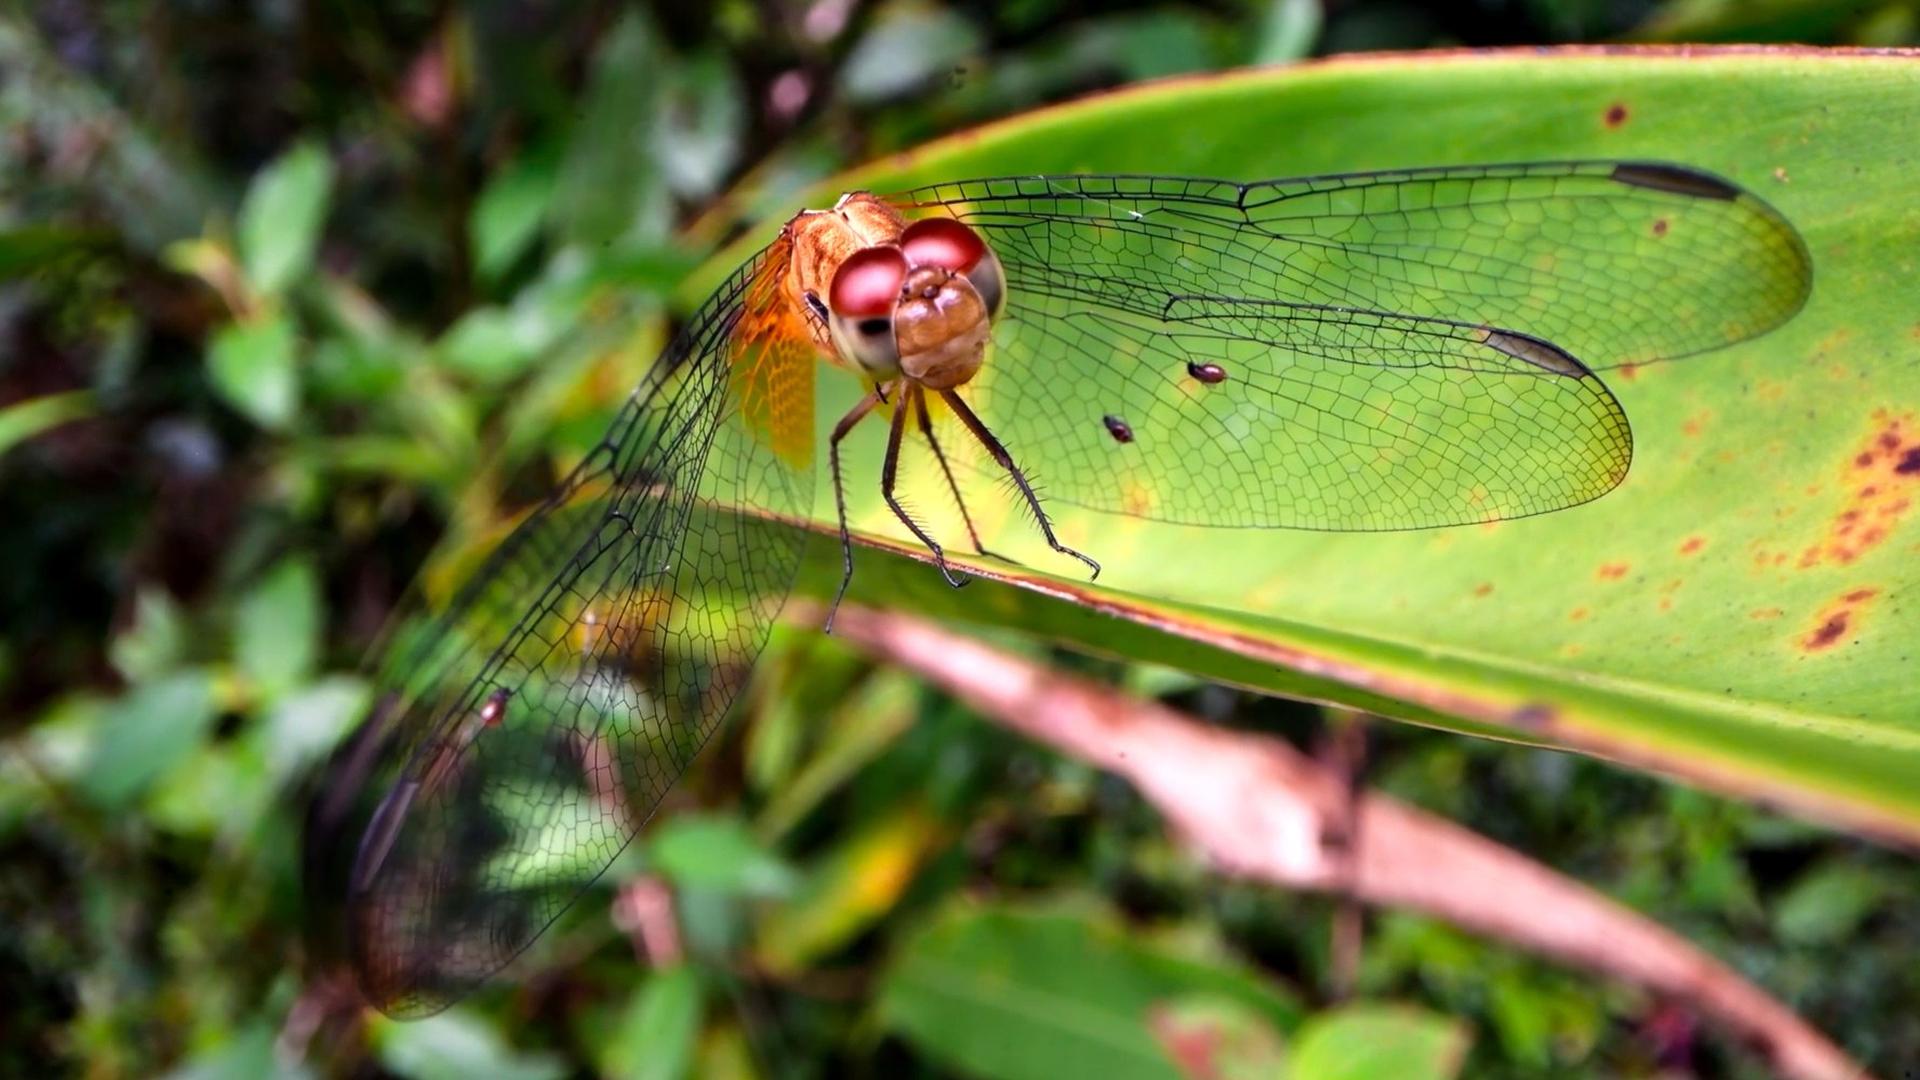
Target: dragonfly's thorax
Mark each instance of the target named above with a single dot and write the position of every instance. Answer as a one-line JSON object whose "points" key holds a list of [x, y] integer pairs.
{"points": [[822, 240], [941, 327]]}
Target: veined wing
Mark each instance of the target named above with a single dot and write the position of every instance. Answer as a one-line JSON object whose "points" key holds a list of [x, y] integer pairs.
{"points": [[1340, 313], [1444, 424], [542, 715]]}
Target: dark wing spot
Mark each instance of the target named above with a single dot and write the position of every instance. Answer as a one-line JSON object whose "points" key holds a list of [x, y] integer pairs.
{"points": [[817, 305], [1660, 176], [1541, 354], [1118, 428]]}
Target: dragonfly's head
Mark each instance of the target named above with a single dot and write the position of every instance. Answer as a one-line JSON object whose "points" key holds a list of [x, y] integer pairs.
{"points": [[922, 308]]}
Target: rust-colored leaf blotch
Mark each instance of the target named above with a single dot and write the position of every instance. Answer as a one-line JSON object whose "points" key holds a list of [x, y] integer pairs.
{"points": [[1880, 481]]}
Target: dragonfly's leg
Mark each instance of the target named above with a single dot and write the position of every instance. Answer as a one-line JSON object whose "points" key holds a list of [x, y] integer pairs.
{"points": [[888, 470], [926, 428], [846, 424], [1005, 460]]}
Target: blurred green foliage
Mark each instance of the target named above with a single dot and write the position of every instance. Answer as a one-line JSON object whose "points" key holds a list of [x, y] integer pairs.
{"points": [[286, 291]]}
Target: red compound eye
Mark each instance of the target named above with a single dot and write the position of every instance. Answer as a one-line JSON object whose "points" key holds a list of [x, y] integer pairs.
{"points": [[942, 242], [868, 283]]}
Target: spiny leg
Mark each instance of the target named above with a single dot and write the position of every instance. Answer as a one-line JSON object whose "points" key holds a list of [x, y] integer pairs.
{"points": [[1005, 461], [919, 400], [840, 430], [888, 470]]}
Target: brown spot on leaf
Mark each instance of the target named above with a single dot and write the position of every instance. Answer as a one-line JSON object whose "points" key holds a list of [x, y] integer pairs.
{"points": [[1659, 226], [1692, 545], [1666, 603], [1838, 621], [1534, 716], [1612, 571], [1578, 614], [1830, 631], [1485, 588], [1882, 473], [1696, 423], [1616, 115], [1766, 613], [1628, 372]]}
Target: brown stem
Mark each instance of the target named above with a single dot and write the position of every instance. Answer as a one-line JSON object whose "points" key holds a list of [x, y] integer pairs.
{"points": [[1259, 809], [644, 911]]}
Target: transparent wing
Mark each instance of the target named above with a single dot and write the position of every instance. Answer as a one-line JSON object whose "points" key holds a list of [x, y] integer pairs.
{"points": [[1445, 424], [1324, 301], [539, 718]]}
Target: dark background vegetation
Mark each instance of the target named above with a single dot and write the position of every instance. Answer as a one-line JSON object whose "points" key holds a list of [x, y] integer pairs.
{"points": [[288, 289]]}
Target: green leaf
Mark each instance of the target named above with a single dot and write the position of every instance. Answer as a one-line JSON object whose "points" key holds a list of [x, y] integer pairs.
{"points": [[154, 728], [277, 627], [508, 213], [717, 853], [609, 188], [655, 1039], [1014, 993], [1374, 1042], [248, 1054], [871, 719], [907, 47], [281, 216], [155, 642], [22, 420], [457, 1046], [704, 118], [1738, 613], [849, 889], [252, 365], [28, 248], [306, 725], [219, 788], [1827, 904], [492, 345], [1289, 31]]}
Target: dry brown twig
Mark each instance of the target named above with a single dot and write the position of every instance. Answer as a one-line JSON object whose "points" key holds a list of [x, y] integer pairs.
{"points": [[1258, 809]]}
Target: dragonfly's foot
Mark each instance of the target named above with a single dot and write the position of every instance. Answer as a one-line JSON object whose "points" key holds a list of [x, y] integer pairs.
{"points": [[1065, 550], [954, 577], [839, 594]]}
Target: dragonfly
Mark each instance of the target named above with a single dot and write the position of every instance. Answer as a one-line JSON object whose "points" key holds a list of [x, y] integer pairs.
{"points": [[1367, 351]]}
